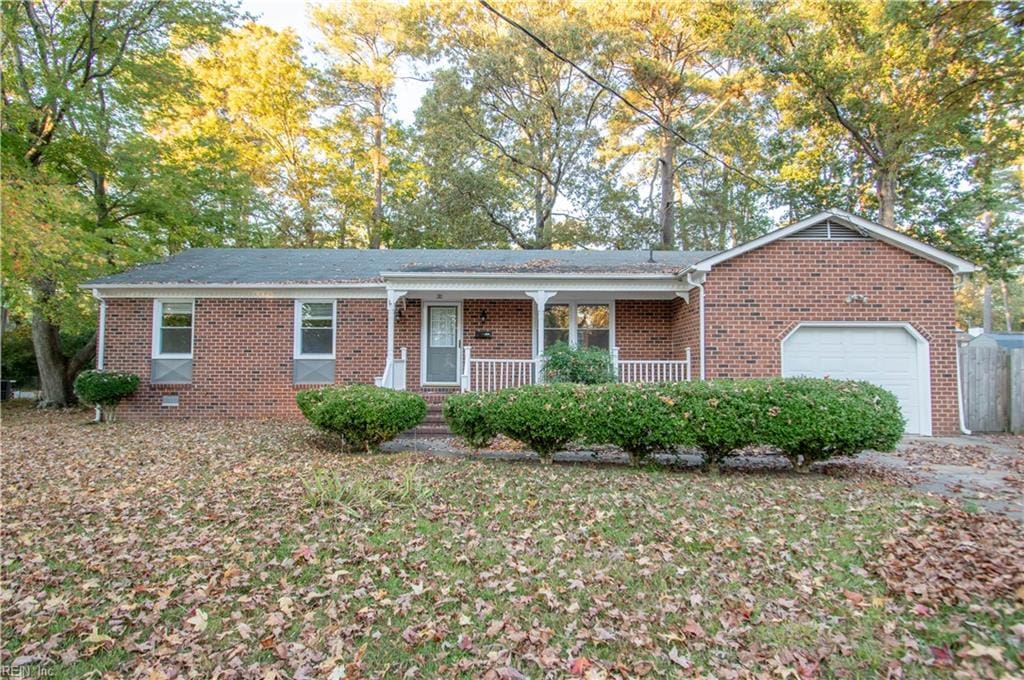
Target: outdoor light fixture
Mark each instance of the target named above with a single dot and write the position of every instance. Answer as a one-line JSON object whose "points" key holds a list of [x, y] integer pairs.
{"points": [[483, 316]]}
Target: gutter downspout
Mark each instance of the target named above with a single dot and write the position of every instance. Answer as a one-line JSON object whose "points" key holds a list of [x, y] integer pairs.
{"points": [[700, 287], [958, 280], [101, 340]]}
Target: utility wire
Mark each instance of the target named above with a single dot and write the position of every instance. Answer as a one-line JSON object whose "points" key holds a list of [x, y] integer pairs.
{"points": [[607, 88]]}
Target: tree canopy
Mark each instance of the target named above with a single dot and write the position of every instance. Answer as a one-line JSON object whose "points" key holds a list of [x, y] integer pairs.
{"points": [[134, 130]]}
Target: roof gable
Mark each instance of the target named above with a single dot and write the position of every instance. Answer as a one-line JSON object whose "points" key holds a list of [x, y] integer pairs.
{"points": [[837, 224]]}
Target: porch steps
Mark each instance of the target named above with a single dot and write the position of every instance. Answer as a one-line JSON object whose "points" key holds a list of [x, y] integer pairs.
{"points": [[433, 424]]}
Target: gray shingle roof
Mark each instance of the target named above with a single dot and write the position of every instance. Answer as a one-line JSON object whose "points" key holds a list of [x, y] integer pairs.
{"points": [[206, 266]]}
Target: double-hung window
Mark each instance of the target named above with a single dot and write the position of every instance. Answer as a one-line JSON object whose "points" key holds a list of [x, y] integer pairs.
{"points": [[578, 324], [314, 328], [172, 329]]}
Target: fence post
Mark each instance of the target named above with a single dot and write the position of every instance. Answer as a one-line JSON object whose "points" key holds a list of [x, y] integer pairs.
{"points": [[467, 354], [1017, 390], [689, 366], [615, 363]]}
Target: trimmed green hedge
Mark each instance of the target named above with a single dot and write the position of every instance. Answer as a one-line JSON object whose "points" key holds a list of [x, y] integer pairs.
{"points": [[807, 419], [469, 416], [363, 415], [105, 389], [583, 365], [810, 419], [638, 420], [544, 417]]}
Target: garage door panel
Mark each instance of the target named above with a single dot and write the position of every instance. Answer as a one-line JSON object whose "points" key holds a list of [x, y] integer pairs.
{"points": [[884, 356]]}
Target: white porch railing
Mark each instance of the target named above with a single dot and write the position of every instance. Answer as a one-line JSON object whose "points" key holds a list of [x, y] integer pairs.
{"points": [[651, 370], [491, 375], [394, 372]]}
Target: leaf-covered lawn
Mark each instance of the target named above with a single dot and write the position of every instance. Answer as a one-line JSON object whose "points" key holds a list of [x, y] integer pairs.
{"points": [[248, 549]]}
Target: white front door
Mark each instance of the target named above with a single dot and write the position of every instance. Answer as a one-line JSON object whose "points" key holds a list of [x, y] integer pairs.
{"points": [[888, 356], [441, 344]]}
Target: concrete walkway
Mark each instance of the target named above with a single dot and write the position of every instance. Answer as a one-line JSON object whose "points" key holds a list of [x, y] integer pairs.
{"points": [[982, 472]]}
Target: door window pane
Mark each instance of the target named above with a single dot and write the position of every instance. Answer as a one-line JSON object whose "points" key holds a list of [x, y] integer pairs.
{"points": [[444, 323]]}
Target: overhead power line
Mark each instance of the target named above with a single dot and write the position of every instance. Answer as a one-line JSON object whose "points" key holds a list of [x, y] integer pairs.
{"points": [[609, 89]]}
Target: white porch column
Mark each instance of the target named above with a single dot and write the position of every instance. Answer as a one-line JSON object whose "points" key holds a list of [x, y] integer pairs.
{"points": [[540, 299], [393, 297]]}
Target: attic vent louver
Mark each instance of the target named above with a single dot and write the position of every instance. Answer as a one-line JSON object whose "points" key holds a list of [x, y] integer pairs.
{"points": [[828, 230]]}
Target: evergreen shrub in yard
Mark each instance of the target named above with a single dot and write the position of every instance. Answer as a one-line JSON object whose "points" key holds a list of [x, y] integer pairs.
{"points": [[363, 415], [105, 389], [811, 419], [639, 419], [807, 419], [544, 417], [470, 416], [583, 365]]}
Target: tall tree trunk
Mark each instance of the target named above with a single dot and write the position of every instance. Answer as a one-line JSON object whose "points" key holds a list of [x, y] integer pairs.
{"points": [[538, 212], [377, 237], [986, 308], [666, 214], [51, 362], [885, 186], [1007, 316], [57, 371]]}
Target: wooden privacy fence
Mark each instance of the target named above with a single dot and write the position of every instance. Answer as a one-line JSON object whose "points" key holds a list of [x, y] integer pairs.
{"points": [[992, 380]]}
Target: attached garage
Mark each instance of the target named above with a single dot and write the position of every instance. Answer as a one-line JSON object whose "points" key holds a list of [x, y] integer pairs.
{"points": [[893, 356]]}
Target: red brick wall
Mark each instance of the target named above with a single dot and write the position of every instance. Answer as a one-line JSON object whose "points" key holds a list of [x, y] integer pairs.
{"points": [[242, 355], [644, 329], [754, 300], [511, 325], [686, 330]]}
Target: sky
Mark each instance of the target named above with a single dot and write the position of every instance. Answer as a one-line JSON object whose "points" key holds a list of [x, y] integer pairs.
{"points": [[294, 14]]}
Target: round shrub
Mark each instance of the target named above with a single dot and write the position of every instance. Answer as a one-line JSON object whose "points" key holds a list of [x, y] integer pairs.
{"points": [[583, 365], [717, 417], [639, 419], [105, 389], [813, 419], [469, 416], [544, 417], [363, 415]]}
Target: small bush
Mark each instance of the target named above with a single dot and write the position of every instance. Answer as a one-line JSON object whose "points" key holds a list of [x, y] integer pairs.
{"points": [[811, 419], [544, 417], [105, 389], [470, 416], [639, 419], [717, 417], [582, 365], [363, 415]]}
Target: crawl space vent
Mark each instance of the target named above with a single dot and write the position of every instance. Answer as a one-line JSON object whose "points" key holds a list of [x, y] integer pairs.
{"points": [[169, 400]]}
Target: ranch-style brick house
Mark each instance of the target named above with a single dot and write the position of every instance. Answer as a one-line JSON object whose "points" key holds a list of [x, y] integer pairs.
{"points": [[235, 332]]}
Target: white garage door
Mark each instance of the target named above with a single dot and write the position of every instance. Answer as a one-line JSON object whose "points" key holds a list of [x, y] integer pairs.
{"points": [[885, 356]]}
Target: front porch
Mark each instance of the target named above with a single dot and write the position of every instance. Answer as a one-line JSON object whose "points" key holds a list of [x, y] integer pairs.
{"points": [[447, 338]]}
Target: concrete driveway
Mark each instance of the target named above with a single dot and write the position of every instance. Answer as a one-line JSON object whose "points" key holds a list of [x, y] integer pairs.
{"points": [[984, 470]]}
